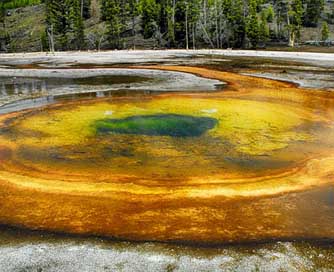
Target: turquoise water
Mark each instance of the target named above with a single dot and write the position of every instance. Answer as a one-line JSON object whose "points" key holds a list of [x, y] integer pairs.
{"points": [[174, 125]]}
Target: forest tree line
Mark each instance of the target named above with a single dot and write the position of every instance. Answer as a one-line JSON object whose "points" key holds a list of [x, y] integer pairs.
{"points": [[180, 23]]}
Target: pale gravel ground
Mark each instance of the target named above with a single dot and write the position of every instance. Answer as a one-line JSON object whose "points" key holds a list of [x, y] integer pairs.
{"points": [[317, 62], [73, 257], [303, 79], [145, 56]]}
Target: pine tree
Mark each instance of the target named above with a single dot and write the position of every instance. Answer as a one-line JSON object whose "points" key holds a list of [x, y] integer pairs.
{"points": [[65, 24], [324, 31], [252, 26], [181, 23], [270, 14], [4, 35], [111, 12], [314, 8], [75, 22], [178, 23], [133, 12], [150, 12], [44, 41], [85, 8], [234, 13], [281, 8], [294, 20], [264, 32], [167, 20], [56, 14], [193, 18], [2, 14]]}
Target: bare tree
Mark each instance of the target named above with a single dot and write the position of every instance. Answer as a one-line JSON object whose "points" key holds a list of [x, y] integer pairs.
{"points": [[51, 39], [82, 8], [187, 34], [98, 37]]}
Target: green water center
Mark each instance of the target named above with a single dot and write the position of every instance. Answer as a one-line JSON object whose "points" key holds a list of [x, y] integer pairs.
{"points": [[173, 125]]}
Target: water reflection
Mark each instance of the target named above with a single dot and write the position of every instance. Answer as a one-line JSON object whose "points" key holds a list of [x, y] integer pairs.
{"points": [[36, 102], [16, 86], [25, 85]]}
